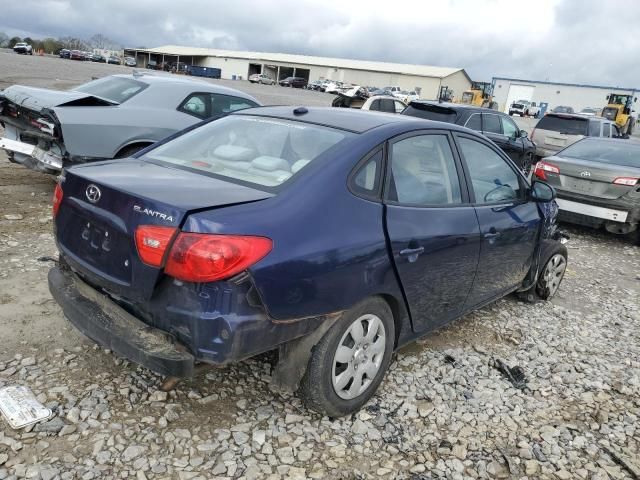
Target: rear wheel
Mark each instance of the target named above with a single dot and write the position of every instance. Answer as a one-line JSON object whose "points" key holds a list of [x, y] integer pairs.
{"points": [[348, 364], [130, 150]]}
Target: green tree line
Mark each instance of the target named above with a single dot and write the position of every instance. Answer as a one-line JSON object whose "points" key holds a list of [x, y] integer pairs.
{"points": [[54, 45]]}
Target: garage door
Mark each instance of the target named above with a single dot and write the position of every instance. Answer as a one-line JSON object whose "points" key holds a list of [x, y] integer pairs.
{"points": [[518, 92]]}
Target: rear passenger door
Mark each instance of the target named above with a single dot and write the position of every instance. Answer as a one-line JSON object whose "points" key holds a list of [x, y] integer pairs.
{"points": [[508, 220], [432, 228]]}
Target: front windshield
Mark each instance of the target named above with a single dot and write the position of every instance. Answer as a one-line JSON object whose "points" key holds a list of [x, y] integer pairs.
{"points": [[258, 150], [617, 152], [115, 89]]}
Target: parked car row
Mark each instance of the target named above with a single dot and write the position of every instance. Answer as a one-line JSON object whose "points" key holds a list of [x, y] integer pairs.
{"points": [[88, 56]]}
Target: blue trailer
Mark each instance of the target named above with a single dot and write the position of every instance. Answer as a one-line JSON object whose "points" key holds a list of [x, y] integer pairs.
{"points": [[198, 71]]}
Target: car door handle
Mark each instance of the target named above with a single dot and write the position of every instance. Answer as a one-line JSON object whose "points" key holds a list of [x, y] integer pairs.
{"points": [[411, 253], [492, 235]]}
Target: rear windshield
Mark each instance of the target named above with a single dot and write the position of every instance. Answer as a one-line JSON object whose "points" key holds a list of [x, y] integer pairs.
{"points": [[115, 89], [256, 150], [431, 112], [566, 125], [619, 152]]}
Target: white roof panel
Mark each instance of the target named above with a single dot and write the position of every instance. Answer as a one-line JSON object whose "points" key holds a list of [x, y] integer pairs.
{"points": [[401, 68]]}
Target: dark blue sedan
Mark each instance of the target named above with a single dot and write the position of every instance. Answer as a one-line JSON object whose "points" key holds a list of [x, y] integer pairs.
{"points": [[332, 236]]}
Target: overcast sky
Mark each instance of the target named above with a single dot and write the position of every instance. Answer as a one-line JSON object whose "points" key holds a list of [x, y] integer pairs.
{"points": [[581, 41]]}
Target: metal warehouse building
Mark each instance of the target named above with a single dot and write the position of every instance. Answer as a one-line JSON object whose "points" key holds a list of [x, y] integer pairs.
{"points": [[280, 65], [577, 96]]}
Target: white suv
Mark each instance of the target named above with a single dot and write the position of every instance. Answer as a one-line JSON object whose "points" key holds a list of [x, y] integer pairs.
{"points": [[23, 48]]}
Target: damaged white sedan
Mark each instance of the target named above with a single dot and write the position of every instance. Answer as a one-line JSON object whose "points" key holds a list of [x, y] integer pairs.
{"points": [[112, 117]]}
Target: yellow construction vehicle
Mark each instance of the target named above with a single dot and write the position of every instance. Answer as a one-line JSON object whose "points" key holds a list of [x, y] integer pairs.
{"points": [[480, 95], [619, 109]]}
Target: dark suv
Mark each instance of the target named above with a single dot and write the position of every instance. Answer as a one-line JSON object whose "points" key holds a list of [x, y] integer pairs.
{"points": [[296, 82], [494, 125]]}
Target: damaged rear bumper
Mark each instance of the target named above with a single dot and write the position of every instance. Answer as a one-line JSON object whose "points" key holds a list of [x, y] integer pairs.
{"points": [[46, 160], [101, 319]]}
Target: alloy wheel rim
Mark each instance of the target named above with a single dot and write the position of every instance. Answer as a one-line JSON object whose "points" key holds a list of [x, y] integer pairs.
{"points": [[554, 272], [358, 357]]}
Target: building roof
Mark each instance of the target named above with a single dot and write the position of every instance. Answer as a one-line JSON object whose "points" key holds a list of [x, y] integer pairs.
{"points": [[604, 87], [399, 68]]}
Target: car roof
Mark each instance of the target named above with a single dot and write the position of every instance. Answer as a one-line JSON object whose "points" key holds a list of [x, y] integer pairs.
{"points": [[350, 119], [184, 82], [456, 106], [576, 115], [628, 141]]}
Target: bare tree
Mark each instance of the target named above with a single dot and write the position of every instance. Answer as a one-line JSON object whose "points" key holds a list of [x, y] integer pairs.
{"points": [[102, 42]]}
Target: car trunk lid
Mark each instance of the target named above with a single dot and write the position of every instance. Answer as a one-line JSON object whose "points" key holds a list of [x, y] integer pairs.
{"points": [[590, 178], [104, 203], [40, 98]]}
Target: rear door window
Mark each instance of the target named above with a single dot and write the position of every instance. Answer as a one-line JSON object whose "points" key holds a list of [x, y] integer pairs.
{"points": [[375, 106], [594, 128], [491, 123], [399, 106], [566, 125], [423, 172], [474, 122], [387, 105]]}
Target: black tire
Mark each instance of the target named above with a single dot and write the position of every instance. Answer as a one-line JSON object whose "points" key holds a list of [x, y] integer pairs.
{"points": [[130, 150], [544, 289], [316, 388]]}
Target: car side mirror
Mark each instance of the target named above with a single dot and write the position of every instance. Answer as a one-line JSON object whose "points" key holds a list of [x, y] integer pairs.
{"points": [[542, 192], [523, 134]]}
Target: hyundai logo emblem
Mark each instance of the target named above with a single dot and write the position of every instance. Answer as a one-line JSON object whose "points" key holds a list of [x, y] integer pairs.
{"points": [[585, 174], [93, 193]]}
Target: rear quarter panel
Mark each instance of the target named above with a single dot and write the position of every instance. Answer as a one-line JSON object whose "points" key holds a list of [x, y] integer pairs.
{"points": [[329, 247], [101, 131]]}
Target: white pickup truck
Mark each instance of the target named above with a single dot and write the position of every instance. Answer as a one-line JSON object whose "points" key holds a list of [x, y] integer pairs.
{"points": [[23, 48], [524, 108]]}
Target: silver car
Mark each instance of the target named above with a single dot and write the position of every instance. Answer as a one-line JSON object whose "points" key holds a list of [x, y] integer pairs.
{"points": [[556, 131], [262, 78], [597, 181], [112, 117]]}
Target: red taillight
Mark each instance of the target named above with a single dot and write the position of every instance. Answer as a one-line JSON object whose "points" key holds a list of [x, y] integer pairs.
{"points": [[628, 181], [57, 199], [199, 257], [152, 242], [542, 168]]}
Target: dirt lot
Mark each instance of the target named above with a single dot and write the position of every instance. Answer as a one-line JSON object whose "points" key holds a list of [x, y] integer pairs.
{"points": [[442, 412]]}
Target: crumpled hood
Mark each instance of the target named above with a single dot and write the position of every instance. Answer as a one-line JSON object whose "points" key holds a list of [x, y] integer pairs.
{"points": [[39, 98]]}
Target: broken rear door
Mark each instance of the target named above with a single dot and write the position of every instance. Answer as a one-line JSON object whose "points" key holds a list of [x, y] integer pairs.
{"points": [[433, 230]]}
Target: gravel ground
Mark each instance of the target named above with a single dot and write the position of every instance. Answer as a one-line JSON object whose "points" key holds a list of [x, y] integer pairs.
{"points": [[443, 411]]}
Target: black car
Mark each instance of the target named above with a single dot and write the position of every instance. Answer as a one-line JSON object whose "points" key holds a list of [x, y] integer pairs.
{"points": [[494, 125], [98, 58], [64, 53], [295, 82]]}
